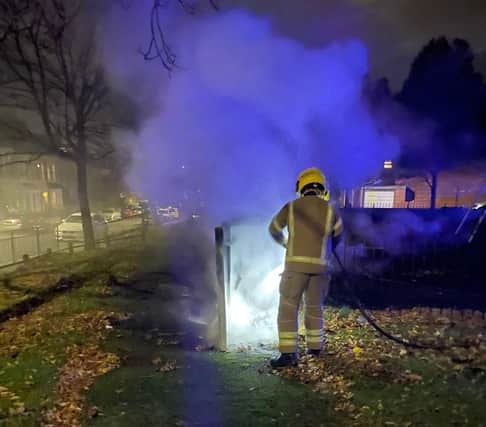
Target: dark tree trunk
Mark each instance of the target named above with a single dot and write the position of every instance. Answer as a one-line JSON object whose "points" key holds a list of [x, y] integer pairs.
{"points": [[433, 189], [82, 172]]}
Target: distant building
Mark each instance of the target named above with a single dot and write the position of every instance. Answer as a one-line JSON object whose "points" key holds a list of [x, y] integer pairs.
{"points": [[30, 187], [455, 189], [390, 196], [49, 185]]}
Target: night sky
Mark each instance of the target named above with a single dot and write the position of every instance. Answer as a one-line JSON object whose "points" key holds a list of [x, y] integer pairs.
{"points": [[394, 30]]}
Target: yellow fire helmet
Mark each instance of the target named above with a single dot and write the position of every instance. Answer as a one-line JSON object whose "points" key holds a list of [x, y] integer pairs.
{"points": [[312, 176]]}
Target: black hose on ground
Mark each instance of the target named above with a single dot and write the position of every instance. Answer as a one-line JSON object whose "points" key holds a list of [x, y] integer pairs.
{"points": [[372, 322]]}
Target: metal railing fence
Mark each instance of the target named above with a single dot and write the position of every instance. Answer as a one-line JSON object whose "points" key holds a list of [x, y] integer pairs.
{"points": [[19, 246]]}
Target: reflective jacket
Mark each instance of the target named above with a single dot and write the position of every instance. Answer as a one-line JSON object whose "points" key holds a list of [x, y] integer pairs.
{"points": [[313, 227]]}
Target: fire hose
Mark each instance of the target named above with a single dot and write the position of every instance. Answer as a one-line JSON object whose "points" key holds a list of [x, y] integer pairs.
{"points": [[372, 322], [466, 216]]}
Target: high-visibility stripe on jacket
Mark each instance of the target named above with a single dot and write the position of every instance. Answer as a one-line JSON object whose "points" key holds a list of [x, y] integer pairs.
{"points": [[312, 223]]}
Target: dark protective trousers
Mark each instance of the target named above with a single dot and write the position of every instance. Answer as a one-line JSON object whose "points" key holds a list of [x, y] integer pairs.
{"points": [[293, 286]]}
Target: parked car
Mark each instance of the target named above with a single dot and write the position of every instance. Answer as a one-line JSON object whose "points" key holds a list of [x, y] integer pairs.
{"points": [[10, 220], [71, 228], [10, 224], [169, 212], [111, 214], [32, 222], [131, 210]]}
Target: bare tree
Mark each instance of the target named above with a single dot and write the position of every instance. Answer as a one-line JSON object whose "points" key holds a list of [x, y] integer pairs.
{"points": [[158, 47], [50, 67]]}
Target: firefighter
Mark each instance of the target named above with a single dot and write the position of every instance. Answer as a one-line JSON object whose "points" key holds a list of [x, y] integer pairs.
{"points": [[313, 229]]}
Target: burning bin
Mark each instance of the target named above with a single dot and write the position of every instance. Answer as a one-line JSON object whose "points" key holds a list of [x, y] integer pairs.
{"points": [[249, 264]]}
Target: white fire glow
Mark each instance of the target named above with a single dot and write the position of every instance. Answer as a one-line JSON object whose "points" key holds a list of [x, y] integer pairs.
{"points": [[271, 282], [253, 288], [239, 312]]}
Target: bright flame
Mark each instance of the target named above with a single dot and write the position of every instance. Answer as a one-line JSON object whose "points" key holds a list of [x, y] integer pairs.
{"points": [[240, 313], [252, 314], [272, 280]]}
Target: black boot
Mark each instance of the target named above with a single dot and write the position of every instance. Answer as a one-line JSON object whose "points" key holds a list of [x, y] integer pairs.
{"points": [[315, 353], [285, 360]]}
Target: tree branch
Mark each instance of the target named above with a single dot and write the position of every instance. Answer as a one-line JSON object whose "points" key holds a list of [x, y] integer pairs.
{"points": [[427, 180], [103, 155], [158, 47], [53, 65], [214, 4]]}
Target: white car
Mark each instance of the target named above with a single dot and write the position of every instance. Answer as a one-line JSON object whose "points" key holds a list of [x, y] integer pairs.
{"points": [[71, 228], [111, 214], [169, 212], [10, 224], [479, 205]]}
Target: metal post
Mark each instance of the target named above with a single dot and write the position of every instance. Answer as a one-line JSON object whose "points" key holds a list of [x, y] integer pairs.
{"points": [[107, 237], [37, 239], [222, 336], [144, 227], [12, 246], [227, 263], [58, 242]]}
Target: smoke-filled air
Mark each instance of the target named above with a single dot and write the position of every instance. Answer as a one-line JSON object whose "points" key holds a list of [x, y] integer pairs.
{"points": [[243, 111], [242, 213]]}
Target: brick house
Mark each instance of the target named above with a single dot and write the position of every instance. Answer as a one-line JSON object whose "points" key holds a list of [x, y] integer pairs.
{"points": [[455, 189]]}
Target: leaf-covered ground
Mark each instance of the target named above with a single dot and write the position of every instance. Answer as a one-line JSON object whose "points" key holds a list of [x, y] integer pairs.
{"points": [[377, 382], [119, 353], [41, 351]]}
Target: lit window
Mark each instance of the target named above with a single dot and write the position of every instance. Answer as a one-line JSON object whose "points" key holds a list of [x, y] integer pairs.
{"points": [[388, 164]]}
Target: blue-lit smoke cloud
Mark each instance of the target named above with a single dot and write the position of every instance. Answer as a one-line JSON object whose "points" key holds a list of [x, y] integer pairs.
{"points": [[244, 112]]}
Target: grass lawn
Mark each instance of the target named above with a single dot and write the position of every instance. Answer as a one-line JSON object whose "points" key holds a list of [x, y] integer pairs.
{"points": [[80, 359]]}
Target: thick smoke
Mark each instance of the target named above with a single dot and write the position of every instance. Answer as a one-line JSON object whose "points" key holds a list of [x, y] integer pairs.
{"points": [[244, 112]]}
